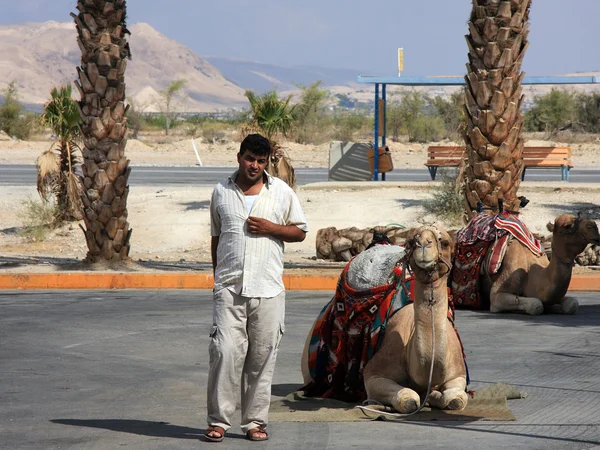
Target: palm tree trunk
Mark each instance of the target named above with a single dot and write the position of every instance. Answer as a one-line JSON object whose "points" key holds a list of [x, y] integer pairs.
{"points": [[104, 52], [497, 43]]}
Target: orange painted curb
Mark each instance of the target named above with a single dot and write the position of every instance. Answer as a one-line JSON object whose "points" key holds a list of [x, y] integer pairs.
{"points": [[585, 283], [310, 282], [94, 280]]}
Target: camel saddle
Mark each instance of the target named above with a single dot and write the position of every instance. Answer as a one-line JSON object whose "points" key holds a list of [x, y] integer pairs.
{"points": [[480, 249]]}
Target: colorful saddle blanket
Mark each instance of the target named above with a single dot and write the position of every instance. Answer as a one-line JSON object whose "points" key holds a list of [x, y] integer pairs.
{"points": [[481, 247], [347, 333]]}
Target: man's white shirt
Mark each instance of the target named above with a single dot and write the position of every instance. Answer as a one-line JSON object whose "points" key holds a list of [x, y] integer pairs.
{"points": [[247, 264]]}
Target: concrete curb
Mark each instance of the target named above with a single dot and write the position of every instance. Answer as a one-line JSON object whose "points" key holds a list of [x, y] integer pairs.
{"points": [[107, 280]]}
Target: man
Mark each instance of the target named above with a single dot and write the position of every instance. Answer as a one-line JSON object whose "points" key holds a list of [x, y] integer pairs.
{"points": [[252, 215]]}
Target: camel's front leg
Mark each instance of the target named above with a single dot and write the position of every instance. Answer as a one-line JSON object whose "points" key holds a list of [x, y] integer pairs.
{"points": [[451, 395], [567, 305], [504, 302], [388, 392]]}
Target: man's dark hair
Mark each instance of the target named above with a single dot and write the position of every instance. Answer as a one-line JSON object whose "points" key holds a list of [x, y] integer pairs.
{"points": [[256, 144]]}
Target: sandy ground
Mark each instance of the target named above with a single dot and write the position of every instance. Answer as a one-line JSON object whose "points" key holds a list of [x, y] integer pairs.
{"points": [[172, 223]]}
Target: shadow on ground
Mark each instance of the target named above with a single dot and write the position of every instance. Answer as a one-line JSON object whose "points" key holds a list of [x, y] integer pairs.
{"points": [[196, 206], [587, 209], [586, 316], [140, 427]]}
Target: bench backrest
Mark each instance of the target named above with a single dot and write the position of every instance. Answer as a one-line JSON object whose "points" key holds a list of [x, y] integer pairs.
{"points": [[450, 152], [532, 156]]}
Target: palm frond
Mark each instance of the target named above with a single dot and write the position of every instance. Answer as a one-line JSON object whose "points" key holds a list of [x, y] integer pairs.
{"points": [[48, 173], [271, 115], [74, 193]]}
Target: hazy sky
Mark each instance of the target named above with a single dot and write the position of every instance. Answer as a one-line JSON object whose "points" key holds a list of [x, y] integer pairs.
{"points": [[362, 35]]}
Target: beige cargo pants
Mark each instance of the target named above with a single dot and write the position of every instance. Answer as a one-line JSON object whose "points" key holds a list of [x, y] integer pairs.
{"points": [[243, 348]]}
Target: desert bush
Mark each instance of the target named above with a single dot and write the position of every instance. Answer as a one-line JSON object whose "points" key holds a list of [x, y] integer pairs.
{"points": [[214, 131], [551, 112], [452, 112], [39, 218], [426, 129], [309, 112], [588, 112], [415, 115], [14, 121], [447, 200], [135, 117], [346, 125], [155, 122]]}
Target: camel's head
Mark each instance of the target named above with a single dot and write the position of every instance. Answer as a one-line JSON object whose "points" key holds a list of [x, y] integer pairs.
{"points": [[571, 235], [430, 252]]}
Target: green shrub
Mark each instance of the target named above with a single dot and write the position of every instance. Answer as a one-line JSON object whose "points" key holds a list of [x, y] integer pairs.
{"points": [[417, 116], [346, 125], [426, 129], [447, 201], [309, 112], [39, 218], [13, 119], [588, 112], [452, 112], [551, 112], [155, 121]]}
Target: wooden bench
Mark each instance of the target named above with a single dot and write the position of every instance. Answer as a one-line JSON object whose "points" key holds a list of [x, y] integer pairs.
{"points": [[443, 156], [452, 156], [548, 157]]}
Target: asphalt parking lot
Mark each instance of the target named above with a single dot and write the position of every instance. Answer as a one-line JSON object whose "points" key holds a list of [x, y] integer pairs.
{"points": [[127, 369]]}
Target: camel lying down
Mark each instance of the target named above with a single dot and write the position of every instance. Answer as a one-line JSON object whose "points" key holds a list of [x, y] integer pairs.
{"points": [[398, 373], [534, 284]]}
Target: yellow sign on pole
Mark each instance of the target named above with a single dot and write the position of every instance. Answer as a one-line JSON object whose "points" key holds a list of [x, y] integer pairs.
{"points": [[400, 60]]}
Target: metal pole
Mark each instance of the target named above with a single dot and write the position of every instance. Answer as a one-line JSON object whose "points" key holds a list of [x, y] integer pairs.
{"points": [[383, 138], [376, 136]]}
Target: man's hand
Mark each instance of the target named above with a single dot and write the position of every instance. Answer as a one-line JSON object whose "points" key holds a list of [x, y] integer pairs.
{"points": [[286, 233], [258, 225]]}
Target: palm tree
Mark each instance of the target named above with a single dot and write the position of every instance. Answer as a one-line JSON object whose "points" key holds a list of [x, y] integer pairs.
{"points": [[270, 115], [56, 166], [497, 43], [102, 38]]}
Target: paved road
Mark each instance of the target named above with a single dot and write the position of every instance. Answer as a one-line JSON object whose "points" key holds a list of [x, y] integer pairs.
{"points": [[15, 175], [127, 369]]}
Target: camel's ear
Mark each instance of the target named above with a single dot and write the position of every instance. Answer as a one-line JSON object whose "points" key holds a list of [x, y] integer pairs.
{"points": [[410, 237], [550, 227]]}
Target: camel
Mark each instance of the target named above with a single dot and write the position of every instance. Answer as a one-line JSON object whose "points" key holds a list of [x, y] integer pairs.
{"points": [[534, 284], [399, 372], [280, 167]]}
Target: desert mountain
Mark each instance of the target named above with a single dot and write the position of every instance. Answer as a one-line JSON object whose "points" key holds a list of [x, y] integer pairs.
{"points": [[38, 56], [261, 77]]}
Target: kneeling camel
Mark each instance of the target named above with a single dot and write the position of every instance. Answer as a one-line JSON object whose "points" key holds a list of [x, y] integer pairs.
{"points": [[534, 284], [419, 335]]}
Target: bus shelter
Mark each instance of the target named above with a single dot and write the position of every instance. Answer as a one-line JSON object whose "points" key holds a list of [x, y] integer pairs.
{"points": [[381, 83]]}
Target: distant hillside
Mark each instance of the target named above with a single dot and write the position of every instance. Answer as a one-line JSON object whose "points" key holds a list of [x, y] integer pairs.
{"points": [[260, 77], [38, 56]]}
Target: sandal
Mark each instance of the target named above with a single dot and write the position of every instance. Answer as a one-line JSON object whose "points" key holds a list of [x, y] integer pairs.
{"points": [[252, 434], [214, 429]]}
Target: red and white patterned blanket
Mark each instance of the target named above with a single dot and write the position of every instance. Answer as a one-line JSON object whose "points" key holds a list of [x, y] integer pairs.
{"points": [[483, 242]]}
